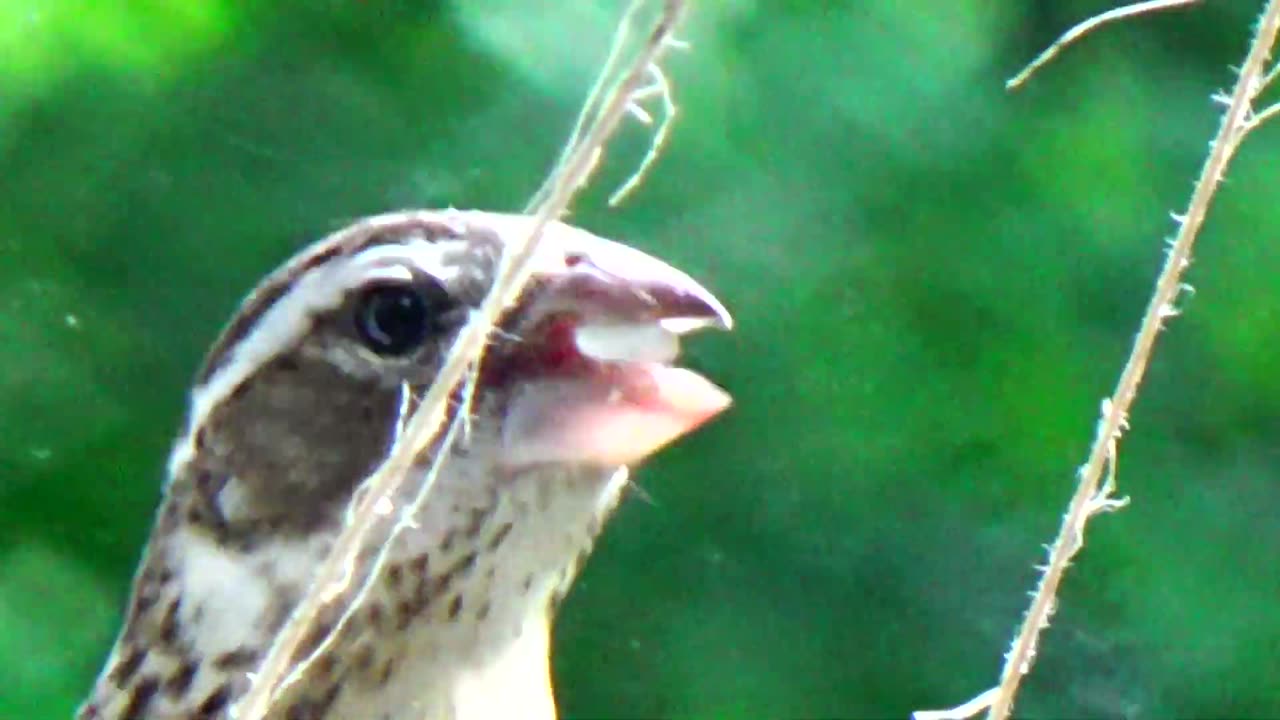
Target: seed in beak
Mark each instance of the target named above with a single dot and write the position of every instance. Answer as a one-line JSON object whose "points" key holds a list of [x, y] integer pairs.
{"points": [[622, 342]]}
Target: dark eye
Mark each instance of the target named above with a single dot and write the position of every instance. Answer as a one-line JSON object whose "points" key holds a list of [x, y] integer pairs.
{"points": [[395, 319]]}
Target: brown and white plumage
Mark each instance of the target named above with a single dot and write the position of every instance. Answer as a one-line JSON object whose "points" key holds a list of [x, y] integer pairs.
{"points": [[301, 398]]}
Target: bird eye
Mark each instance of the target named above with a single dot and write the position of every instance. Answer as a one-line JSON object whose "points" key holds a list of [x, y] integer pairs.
{"points": [[395, 319]]}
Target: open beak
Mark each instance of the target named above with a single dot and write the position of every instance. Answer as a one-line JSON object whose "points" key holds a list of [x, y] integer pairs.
{"points": [[599, 335]]}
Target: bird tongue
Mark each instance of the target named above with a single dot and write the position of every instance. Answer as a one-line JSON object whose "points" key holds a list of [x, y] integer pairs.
{"points": [[627, 407]]}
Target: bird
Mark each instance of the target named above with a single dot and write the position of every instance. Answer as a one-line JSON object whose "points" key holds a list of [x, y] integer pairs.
{"points": [[306, 391]]}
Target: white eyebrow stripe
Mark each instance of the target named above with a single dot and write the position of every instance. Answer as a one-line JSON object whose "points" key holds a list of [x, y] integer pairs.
{"points": [[391, 272], [285, 322]]}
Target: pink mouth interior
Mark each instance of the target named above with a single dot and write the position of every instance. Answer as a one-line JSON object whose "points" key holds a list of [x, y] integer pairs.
{"points": [[585, 410]]}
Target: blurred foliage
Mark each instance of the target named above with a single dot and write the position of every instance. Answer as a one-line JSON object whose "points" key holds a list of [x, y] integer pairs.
{"points": [[935, 282]]}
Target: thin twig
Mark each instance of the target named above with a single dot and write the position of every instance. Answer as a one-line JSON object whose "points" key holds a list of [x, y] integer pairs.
{"points": [[406, 519], [1094, 495], [1159, 308], [1086, 27], [660, 87], [571, 173], [1257, 119]]}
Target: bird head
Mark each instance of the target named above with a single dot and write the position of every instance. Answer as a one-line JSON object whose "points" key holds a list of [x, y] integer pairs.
{"points": [[302, 395], [308, 389]]}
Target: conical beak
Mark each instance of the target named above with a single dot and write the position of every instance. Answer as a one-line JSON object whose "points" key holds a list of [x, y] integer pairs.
{"points": [[600, 333], [606, 282]]}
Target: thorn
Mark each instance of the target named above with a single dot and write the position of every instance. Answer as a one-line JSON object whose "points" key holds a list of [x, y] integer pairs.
{"points": [[639, 113], [1100, 505]]}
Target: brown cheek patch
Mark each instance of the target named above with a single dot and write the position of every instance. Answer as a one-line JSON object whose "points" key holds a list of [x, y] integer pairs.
{"points": [[299, 438]]}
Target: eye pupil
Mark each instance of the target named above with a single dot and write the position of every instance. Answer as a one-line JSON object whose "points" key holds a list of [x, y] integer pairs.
{"points": [[393, 319]]}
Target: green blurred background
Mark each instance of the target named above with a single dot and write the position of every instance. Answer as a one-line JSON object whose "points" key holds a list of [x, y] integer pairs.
{"points": [[935, 283]]}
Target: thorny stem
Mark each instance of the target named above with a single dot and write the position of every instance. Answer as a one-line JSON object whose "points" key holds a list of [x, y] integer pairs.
{"points": [[334, 574], [1093, 494], [1084, 503]]}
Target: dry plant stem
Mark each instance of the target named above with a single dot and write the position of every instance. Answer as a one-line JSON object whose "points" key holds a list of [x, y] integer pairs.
{"points": [[1085, 502], [662, 88], [1084, 28], [456, 426], [333, 576]]}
